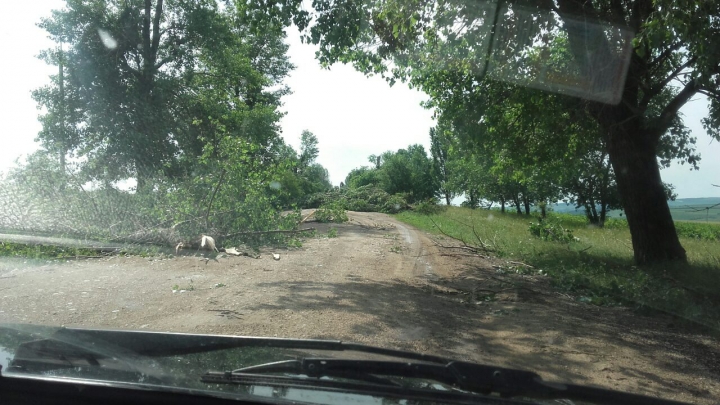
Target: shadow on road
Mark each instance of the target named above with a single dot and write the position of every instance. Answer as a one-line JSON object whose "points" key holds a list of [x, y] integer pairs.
{"points": [[563, 340]]}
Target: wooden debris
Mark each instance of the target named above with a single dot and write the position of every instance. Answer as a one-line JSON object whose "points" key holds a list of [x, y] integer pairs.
{"points": [[207, 242], [241, 252], [307, 216], [230, 235]]}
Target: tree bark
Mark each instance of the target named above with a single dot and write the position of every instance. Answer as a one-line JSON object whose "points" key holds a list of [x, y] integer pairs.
{"points": [[604, 184], [502, 204], [588, 214], [633, 156], [526, 202], [447, 198], [516, 200]]}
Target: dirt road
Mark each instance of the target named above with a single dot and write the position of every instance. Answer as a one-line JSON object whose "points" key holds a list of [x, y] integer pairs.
{"points": [[378, 282]]}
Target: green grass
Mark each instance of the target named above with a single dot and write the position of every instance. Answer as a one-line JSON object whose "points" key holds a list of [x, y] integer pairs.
{"points": [[597, 266], [31, 251]]}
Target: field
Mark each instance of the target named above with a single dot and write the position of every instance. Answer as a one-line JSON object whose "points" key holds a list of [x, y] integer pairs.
{"points": [[683, 209], [595, 264]]}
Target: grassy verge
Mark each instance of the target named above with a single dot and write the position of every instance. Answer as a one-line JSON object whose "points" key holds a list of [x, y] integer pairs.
{"points": [[33, 251], [595, 265], [38, 251]]}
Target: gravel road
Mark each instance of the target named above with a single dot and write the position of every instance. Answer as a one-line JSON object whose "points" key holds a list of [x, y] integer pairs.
{"points": [[377, 282]]}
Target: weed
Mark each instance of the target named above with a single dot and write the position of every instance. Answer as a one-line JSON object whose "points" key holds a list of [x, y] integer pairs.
{"points": [[396, 249], [296, 243], [551, 230], [189, 287], [332, 233]]}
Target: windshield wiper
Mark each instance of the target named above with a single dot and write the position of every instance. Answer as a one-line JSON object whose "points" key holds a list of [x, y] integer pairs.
{"points": [[468, 377], [92, 347], [308, 367]]}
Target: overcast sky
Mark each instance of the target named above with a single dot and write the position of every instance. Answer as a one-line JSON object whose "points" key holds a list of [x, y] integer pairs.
{"points": [[352, 116]]}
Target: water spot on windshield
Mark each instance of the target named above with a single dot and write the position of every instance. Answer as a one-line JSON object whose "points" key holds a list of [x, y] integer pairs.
{"points": [[107, 39], [275, 185], [5, 356]]}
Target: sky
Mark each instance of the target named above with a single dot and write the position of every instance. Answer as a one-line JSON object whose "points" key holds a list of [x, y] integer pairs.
{"points": [[352, 116]]}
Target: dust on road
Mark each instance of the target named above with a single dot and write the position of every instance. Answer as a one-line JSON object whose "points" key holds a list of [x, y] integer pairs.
{"points": [[379, 282]]}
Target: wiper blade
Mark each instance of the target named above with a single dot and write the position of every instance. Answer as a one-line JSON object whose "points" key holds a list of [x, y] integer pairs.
{"points": [[469, 377], [307, 368], [160, 344], [480, 379]]}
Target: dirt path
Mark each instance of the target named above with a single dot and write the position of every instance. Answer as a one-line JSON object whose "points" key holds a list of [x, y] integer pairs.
{"points": [[378, 282]]}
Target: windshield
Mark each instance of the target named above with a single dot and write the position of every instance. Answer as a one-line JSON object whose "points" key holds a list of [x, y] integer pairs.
{"points": [[509, 183]]}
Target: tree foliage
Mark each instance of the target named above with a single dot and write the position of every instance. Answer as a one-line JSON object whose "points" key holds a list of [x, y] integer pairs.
{"points": [[446, 48], [406, 172], [144, 86], [181, 97], [305, 177]]}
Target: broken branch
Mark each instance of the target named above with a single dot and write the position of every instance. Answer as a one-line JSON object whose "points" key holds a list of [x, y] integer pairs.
{"points": [[230, 235]]}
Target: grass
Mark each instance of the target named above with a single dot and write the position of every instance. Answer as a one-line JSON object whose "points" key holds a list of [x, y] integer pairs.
{"points": [[32, 251], [596, 265], [49, 251], [189, 287]]}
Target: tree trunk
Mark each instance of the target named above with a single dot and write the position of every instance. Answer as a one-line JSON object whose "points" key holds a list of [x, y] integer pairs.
{"points": [[143, 185], [516, 200], [473, 199], [588, 213], [502, 204], [526, 202], [543, 209], [447, 198], [603, 201], [593, 210], [633, 156]]}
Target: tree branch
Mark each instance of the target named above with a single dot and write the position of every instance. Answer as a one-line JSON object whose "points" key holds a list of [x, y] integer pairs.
{"points": [[641, 9], [156, 28], [617, 8], [146, 30], [126, 65], [170, 58], [670, 111], [664, 55], [713, 93], [657, 89], [230, 235], [212, 199]]}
